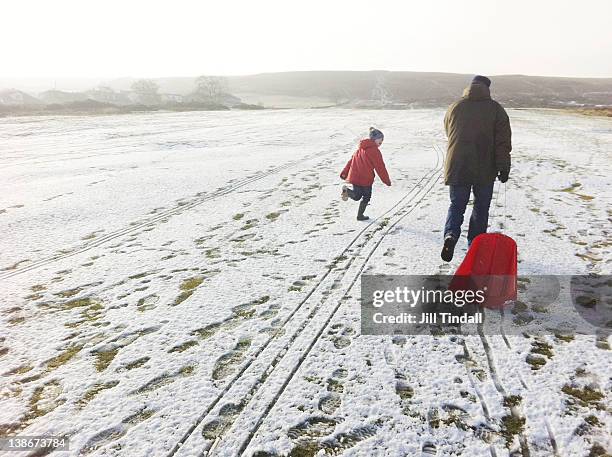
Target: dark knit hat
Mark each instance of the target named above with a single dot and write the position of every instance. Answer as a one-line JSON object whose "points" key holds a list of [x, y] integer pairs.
{"points": [[375, 134], [481, 80]]}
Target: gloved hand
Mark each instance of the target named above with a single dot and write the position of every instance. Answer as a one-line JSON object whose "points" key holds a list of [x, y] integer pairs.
{"points": [[503, 176]]}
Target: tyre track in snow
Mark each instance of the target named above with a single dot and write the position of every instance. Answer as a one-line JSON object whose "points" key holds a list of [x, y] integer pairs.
{"points": [[158, 217], [194, 442]]}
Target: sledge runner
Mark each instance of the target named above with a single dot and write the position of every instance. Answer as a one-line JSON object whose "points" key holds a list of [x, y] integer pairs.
{"points": [[359, 171], [479, 145]]}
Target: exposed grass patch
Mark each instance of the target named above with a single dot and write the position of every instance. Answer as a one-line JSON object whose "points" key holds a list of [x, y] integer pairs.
{"points": [[571, 188], [404, 391], [567, 337], [187, 370], [238, 216], [34, 297], [535, 361], [188, 287], [334, 385], [21, 369], [519, 307], [242, 238], [249, 224], [602, 343], [606, 112], [93, 312], [593, 421], [165, 379], [140, 275], [183, 347], [213, 253], [79, 303], [95, 390], [64, 357], [542, 348], [587, 396], [297, 286], [586, 301], [104, 358], [260, 301], [136, 363], [512, 426], [139, 417], [597, 450], [206, 332], [585, 197], [588, 257], [273, 216], [512, 400]]}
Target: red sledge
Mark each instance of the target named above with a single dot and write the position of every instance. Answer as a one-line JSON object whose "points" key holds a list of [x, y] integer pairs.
{"points": [[490, 265]]}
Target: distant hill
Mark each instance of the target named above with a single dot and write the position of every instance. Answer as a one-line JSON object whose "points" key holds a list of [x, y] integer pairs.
{"points": [[58, 96], [370, 88], [365, 89], [14, 97]]}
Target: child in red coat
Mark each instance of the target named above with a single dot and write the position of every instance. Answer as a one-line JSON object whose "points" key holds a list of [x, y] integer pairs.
{"points": [[359, 171]]}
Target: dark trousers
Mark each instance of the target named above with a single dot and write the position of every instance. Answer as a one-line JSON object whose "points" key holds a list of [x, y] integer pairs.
{"points": [[459, 197], [363, 193]]}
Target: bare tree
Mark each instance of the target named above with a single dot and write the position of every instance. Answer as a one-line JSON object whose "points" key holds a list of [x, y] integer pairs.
{"points": [[146, 91], [210, 87]]}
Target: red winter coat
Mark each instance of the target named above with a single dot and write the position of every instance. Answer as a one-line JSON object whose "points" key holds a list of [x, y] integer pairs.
{"points": [[360, 168]]}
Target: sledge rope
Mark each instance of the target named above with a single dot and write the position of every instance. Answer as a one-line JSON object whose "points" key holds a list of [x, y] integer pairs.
{"points": [[495, 216], [505, 205], [493, 213]]}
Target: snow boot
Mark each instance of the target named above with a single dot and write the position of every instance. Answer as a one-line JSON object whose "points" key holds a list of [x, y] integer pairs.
{"points": [[449, 248], [345, 193], [362, 207]]}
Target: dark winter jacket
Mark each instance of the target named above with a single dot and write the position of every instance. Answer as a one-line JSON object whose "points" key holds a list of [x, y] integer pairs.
{"points": [[479, 138], [360, 168]]}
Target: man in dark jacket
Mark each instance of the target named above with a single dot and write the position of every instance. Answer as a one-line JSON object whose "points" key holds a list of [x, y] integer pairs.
{"points": [[479, 145]]}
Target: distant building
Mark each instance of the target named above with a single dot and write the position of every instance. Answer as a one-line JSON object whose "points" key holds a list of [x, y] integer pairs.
{"points": [[106, 94], [171, 98]]}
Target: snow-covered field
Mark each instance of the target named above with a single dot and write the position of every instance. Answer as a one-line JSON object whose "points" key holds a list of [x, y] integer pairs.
{"points": [[194, 278]]}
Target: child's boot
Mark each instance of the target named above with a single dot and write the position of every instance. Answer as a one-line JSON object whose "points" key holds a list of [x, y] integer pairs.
{"points": [[362, 207]]}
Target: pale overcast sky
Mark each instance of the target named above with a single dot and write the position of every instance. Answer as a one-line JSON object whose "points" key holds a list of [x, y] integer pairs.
{"points": [[140, 38]]}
